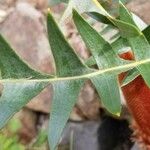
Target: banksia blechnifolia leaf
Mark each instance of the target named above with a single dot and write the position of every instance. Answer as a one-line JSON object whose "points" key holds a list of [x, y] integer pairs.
{"points": [[20, 83]]}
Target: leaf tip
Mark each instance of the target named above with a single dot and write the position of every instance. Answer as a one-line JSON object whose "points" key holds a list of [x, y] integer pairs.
{"points": [[48, 10], [118, 114], [74, 12]]}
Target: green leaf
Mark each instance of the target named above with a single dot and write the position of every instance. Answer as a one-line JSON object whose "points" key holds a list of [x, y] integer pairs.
{"points": [[139, 45], [90, 61], [107, 86], [131, 75], [120, 46], [66, 60], [125, 28], [125, 15], [105, 57], [15, 95], [100, 17], [146, 32], [21, 83], [101, 50], [11, 65], [66, 94]]}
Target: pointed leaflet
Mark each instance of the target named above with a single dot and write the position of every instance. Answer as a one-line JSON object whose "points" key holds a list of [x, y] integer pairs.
{"points": [[139, 45], [66, 60], [137, 40], [122, 26], [146, 32], [65, 96], [105, 57], [131, 75], [120, 46], [100, 17], [16, 94], [65, 92], [11, 65]]}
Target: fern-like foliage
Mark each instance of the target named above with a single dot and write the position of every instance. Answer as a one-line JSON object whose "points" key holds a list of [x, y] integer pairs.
{"points": [[21, 82]]}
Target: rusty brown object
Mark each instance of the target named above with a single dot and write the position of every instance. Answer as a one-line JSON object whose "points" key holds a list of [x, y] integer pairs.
{"points": [[137, 96]]}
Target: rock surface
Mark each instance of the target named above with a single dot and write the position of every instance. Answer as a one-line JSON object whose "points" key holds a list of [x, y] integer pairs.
{"points": [[140, 8]]}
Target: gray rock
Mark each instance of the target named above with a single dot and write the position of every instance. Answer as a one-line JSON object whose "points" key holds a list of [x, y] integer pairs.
{"points": [[84, 135]]}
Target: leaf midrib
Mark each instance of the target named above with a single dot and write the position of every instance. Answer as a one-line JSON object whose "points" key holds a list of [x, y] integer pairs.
{"points": [[121, 68]]}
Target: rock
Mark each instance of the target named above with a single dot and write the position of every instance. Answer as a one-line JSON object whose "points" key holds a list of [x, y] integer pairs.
{"points": [[39, 4], [28, 36], [84, 135], [141, 8], [88, 102], [42, 102], [28, 130]]}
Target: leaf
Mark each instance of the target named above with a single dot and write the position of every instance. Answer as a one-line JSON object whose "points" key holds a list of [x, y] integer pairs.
{"points": [[90, 61], [125, 15], [66, 94], [15, 96], [108, 89], [11, 65], [71, 74], [146, 32], [66, 60], [131, 75], [139, 22], [100, 17], [139, 45], [125, 28], [120, 46], [105, 57], [101, 50]]}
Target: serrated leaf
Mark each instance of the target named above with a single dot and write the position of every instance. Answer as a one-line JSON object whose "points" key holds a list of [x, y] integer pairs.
{"points": [[66, 94], [15, 96], [105, 57]]}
